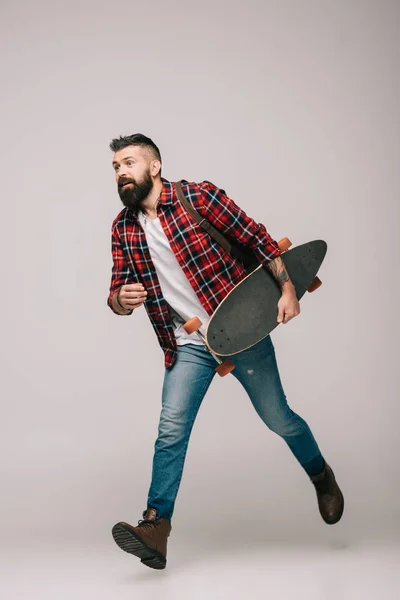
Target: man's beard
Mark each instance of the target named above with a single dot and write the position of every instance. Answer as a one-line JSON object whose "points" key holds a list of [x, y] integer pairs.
{"points": [[133, 195]]}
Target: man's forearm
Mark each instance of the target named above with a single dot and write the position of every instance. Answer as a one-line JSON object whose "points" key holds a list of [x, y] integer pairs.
{"points": [[279, 271]]}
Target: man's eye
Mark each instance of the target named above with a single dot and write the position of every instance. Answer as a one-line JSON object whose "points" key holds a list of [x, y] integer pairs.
{"points": [[130, 162]]}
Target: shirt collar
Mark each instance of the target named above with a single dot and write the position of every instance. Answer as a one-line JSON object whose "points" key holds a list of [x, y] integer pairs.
{"points": [[167, 192]]}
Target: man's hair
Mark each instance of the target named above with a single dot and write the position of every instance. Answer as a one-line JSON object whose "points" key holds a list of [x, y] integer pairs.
{"points": [[136, 139]]}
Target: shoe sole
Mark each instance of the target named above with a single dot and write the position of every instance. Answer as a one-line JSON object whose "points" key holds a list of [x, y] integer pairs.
{"points": [[128, 541]]}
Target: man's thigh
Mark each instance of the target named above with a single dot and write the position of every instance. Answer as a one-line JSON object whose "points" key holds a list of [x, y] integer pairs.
{"points": [[257, 370], [185, 385]]}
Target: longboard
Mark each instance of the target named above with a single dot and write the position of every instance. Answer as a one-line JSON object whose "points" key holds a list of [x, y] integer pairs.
{"points": [[249, 311]]}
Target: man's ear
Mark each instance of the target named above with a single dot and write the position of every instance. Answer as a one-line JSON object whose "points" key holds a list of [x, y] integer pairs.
{"points": [[155, 167]]}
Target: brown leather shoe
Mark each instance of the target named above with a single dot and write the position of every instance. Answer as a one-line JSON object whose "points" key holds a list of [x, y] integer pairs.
{"points": [[148, 540], [330, 497]]}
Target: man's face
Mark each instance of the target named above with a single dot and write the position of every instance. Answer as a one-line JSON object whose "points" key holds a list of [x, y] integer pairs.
{"points": [[132, 167]]}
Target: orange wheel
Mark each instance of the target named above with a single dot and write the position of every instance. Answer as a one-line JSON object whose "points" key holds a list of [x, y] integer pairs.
{"points": [[225, 368], [315, 284], [284, 244], [192, 325]]}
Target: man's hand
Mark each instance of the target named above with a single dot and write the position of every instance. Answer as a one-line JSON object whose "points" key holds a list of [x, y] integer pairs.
{"points": [[131, 296], [288, 305]]}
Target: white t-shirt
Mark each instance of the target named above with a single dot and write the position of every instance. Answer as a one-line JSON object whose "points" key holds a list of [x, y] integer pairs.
{"points": [[175, 286]]}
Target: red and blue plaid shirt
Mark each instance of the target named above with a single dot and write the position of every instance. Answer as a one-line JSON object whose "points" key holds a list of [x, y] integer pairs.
{"points": [[210, 269]]}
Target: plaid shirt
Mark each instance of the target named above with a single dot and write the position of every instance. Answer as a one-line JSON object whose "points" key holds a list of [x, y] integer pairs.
{"points": [[211, 270]]}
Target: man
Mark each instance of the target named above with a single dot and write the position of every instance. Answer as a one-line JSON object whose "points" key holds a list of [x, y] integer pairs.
{"points": [[163, 260]]}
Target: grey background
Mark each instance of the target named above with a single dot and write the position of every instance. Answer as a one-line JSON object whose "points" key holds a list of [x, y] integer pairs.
{"points": [[292, 108]]}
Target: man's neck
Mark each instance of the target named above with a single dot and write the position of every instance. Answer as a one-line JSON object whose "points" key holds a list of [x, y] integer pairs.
{"points": [[147, 205]]}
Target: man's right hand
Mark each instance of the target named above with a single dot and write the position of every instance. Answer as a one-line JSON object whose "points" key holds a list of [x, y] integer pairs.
{"points": [[132, 296]]}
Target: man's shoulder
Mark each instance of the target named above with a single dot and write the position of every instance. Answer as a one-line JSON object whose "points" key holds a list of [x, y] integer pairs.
{"points": [[120, 218], [204, 185]]}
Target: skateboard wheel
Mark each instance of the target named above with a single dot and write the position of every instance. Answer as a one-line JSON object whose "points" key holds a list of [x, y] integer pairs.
{"points": [[192, 325], [315, 284], [225, 368], [284, 244]]}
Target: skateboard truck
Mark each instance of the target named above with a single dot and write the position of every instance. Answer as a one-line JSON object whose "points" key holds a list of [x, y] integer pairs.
{"points": [[284, 244], [224, 367]]}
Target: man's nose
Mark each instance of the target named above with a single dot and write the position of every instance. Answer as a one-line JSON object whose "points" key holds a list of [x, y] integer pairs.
{"points": [[121, 173]]}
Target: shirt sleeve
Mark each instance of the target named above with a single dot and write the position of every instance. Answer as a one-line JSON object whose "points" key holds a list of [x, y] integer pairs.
{"points": [[229, 218], [121, 273]]}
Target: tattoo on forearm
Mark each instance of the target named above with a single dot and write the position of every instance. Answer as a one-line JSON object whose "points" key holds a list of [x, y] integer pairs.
{"points": [[278, 270]]}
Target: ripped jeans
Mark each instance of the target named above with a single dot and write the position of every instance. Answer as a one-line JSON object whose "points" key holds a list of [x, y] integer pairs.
{"points": [[185, 385]]}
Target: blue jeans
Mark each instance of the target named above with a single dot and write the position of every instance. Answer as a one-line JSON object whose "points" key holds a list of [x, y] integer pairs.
{"points": [[185, 385]]}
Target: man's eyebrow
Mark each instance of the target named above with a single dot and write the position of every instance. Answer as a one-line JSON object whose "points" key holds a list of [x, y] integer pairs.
{"points": [[115, 162]]}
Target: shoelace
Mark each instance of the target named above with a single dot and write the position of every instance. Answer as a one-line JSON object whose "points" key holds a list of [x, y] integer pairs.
{"points": [[148, 523]]}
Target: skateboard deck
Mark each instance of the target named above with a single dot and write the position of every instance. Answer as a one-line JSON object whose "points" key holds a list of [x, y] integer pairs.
{"points": [[249, 311]]}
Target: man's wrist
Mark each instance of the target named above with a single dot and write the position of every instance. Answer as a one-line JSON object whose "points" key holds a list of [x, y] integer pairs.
{"points": [[118, 302], [118, 306], [288, 287]]}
